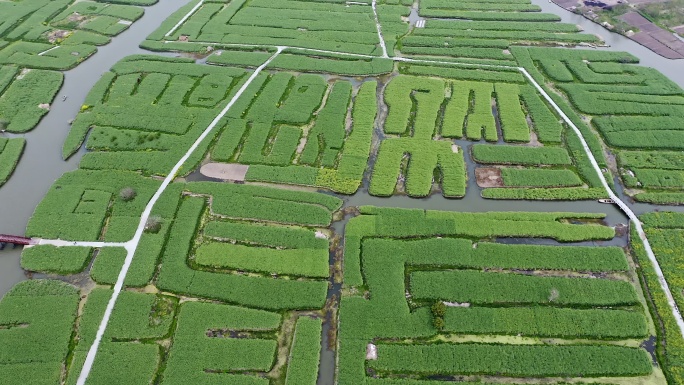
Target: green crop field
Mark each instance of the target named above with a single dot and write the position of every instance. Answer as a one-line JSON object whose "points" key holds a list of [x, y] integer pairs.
{"points": [[300, 192]]}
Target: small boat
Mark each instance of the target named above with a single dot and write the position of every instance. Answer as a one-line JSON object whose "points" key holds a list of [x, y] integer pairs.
{"points": [[609, 201]]}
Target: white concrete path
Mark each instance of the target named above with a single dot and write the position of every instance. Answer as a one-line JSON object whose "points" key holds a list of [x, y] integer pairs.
{"points": [[48, 50], [132, 245], [379, 28], [61, 243], [185, 18]]}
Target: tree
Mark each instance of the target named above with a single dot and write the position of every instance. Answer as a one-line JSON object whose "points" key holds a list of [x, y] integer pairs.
{"points": [[127, 194], [553, 296], [153, 224], [439, 309]]}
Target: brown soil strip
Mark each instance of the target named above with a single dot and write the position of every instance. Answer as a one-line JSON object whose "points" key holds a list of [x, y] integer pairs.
{"points": [[488, 177]]}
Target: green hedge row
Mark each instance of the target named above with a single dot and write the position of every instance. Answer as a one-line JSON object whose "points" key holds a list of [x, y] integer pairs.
{"points": [[270, 236], [514, 360], [547, 322], [57, 260], [463, 254], [535, 177], [302, 366], [522, 155], [268, 204], [551, 194], [496, 288], [295, 262]]}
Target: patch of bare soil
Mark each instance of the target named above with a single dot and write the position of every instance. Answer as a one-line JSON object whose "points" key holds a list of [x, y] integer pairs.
{"points": [[488, 177], [58, 35], [76, 17], [234, 172]]}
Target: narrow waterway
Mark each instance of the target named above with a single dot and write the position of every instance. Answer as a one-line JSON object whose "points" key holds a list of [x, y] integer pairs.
{"points": [[42, 162]]}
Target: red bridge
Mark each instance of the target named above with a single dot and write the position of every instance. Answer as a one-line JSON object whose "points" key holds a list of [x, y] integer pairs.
{"points": [[14, 240]]}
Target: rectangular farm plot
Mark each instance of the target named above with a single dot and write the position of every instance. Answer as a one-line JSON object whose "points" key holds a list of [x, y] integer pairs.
{"points": [[491, 29], [418, 308], [265, 254], [562, 172], [332, 26], [514, 360]]}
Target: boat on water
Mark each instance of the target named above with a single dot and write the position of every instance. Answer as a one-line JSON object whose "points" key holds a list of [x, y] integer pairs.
{"points": [[609, 201]]}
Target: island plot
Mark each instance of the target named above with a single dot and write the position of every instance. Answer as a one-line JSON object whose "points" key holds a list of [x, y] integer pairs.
{"points": [[37, 39], [249, 276]]}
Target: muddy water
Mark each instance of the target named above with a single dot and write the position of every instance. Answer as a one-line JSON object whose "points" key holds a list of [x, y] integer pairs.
{"points": [[42, 161]]}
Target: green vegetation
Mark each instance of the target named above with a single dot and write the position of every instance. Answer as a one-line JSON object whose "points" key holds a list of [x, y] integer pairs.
{"points": [[234, 280], [331, 26], [516, 177], [469, 286], [299, 262], [521, 360], [262, 292], [27, 97], [303, 362], [546, 321], [81, 202], [633, 108], [670, 343], [664, 231], [10, 153], [51, 259], [36, 321], [138, 321], [332, 157], [402, 319], [60, 34], [520, 155], [199, 345]]}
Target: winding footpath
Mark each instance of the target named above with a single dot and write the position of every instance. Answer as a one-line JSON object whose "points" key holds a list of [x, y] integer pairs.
{"points": [[132, 245]]}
